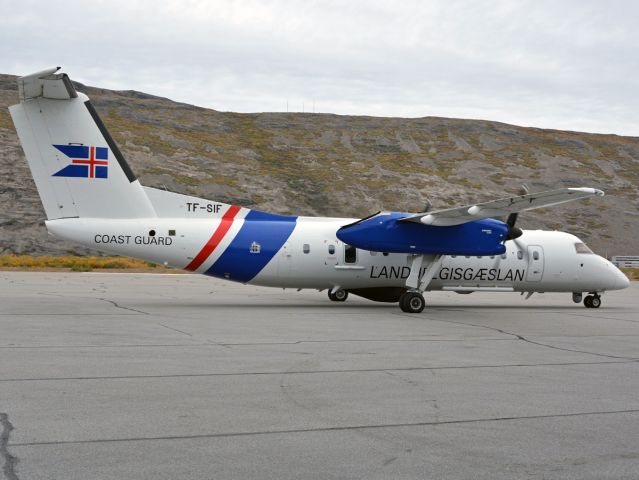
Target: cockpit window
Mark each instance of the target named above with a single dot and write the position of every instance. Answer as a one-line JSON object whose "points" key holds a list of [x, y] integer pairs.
{"points": [[582, 248]]}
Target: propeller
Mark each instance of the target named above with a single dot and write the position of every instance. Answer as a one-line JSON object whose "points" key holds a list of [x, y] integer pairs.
{"points": [[513, 231]]}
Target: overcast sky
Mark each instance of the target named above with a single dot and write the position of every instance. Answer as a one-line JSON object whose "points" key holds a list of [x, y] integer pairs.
{"points": [[551, 64]]}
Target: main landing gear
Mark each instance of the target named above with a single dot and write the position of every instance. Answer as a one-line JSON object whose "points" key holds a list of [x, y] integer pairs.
{"points": [[412, 302], [592, 301], [338, 295]]}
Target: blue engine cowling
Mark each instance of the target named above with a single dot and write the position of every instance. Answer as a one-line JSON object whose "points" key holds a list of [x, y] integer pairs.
{"points": [[384, 233]]}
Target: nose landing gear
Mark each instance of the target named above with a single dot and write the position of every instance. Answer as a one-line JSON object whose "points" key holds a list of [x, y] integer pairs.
{"points": [[592, 301]]}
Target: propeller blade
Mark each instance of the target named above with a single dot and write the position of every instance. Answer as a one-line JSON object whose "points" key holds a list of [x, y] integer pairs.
{"points": [[513, 232]]}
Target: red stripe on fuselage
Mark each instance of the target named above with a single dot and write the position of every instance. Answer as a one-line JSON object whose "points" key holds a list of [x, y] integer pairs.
{"points": [[216, 238]]}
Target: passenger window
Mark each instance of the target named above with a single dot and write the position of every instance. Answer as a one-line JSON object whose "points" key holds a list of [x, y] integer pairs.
{"points": [[503, 256], [520, 254], [492, 256], [373, 254], [350, 254], [535, 255], [171, 233], [331, 249], [385, 254], [306, 248]]}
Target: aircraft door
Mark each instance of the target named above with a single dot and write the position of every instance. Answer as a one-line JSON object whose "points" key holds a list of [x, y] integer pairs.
{"points": [[332, 257], [535, 263], [285, 261]]}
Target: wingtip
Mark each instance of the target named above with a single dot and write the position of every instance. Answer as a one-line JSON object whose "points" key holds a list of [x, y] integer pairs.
{"points": [[596, 192], [591, 191]]}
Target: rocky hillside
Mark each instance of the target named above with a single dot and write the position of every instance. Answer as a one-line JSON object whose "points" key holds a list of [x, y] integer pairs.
{"points": [[321, 164]]}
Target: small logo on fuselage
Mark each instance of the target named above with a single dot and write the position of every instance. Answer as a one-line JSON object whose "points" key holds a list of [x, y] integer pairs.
{"points": [[255, 248]]}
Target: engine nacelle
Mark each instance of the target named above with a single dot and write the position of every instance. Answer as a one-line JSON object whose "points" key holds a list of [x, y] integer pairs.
{"points": [[384, 233]]}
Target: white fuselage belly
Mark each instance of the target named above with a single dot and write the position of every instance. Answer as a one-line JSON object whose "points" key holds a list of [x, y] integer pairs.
{"points": [[538, 261]]}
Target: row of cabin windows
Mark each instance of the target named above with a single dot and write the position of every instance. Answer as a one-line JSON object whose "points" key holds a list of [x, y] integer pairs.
{"points": [[350, 253], [520, 255]]}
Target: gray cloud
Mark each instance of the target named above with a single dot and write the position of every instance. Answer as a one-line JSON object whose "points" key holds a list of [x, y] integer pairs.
{"points": [[566, 65]]}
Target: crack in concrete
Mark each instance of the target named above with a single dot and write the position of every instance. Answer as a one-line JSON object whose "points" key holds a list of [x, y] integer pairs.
{"points": [[175, 329], [384, 370], [116, 305], [532, 342], [363, 340], [10, 461], [331, 429]]}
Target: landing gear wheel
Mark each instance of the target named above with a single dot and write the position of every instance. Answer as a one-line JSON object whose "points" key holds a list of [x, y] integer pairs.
{"points": [[412, 302], [588, 301], [592, 301], [339, 296]]}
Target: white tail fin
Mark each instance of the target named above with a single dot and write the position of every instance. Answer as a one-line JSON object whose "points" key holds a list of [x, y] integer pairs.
{"points": [[77, 167]]}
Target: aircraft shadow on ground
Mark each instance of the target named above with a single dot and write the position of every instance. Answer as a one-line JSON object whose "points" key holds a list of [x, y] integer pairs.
{"points": [[353, 307]]}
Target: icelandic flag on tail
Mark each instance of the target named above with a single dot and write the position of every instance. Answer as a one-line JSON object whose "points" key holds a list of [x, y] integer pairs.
{"points": [[86, 162]]}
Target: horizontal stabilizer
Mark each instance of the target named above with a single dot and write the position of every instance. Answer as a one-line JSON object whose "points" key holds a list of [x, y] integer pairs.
{"points": [[46, 84]]}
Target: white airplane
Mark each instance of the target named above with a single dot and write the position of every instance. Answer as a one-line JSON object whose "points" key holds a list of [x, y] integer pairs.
{"points": [[91, 197]]}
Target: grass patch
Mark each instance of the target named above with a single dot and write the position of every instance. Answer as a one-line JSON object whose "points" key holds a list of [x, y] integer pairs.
{"points": [[631, 273], [76, 263], [5, 119]]}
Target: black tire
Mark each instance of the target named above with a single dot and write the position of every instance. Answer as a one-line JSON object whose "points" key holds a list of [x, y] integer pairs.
{"points": [[412, 302], [588, 301], [595, 302], [339, 296]]}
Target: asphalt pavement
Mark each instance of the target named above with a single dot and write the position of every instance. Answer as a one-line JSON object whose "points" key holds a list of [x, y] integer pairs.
{"points": [[143, 376]]}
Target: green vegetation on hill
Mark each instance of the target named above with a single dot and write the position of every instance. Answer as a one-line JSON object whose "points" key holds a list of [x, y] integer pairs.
{"points": [[322, 164]]}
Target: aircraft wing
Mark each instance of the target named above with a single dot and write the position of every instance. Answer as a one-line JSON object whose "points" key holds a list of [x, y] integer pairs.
{"points": [[501, 207]]}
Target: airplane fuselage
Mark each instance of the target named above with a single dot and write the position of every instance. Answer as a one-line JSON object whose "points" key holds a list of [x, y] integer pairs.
{"points": [[304, 252], [91, 196]]}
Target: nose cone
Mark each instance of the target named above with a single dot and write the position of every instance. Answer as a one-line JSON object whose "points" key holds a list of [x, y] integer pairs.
{"points": [[616, 279], [610, 277], [621, 281]]}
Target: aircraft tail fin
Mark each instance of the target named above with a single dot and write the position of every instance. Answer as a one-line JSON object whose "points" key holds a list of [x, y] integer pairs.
{"points": [[77, 167]]}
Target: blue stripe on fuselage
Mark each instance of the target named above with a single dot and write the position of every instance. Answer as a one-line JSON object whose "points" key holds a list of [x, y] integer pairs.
{"points": [[268, 230]]}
